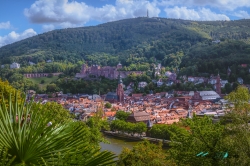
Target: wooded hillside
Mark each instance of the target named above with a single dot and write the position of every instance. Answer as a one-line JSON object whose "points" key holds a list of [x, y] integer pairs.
{"points": [[173, 42]]}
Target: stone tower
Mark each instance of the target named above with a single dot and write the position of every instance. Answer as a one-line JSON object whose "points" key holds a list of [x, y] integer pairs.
{"points": [[119, 66], [120, 91], [218, 84]]}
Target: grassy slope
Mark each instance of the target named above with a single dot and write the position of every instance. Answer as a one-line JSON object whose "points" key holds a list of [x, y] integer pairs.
{"points": [[46, 79]]}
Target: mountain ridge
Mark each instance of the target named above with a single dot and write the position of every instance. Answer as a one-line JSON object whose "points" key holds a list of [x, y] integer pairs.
{"points": [[143, 37]]}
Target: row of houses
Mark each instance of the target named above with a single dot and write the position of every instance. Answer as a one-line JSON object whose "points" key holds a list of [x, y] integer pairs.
{"points": [[15, 65], [212, 80], [12, 66], [160, 108]]}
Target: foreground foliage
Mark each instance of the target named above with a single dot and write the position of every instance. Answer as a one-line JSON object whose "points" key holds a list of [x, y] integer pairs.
{"points": [[143, 154], [28, 139], [224, 143]]}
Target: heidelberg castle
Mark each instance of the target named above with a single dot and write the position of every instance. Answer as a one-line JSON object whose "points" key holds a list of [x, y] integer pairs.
{"points": [[106, 71]]}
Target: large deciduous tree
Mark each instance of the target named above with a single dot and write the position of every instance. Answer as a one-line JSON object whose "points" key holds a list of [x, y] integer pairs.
{"points": [[122, 115], [224, 143], [203, 136]]}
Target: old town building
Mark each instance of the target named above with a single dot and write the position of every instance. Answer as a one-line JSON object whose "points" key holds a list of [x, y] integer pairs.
{"points": [[113, 97], [106, 71]]}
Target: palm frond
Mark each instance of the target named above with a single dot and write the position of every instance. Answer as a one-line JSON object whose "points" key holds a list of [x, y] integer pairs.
{"points": [[24, 132], [5, 158]]}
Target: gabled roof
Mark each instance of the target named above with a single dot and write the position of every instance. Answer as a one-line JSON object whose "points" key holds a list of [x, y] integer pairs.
{"points": [[138, 117]]}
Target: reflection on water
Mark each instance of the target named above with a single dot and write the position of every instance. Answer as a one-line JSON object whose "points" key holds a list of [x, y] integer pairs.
{"points": [[116, 144]]}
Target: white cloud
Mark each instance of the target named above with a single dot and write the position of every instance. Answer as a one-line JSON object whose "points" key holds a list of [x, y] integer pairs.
{"points": [[69, 25], [13, 37], [48, 27], [191, 14], [182, 12], [5, 25], [71, 14], [242, 14], [219, 4]]}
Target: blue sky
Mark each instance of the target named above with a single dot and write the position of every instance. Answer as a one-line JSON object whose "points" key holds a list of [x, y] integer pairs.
{"points": [[20, 19]]}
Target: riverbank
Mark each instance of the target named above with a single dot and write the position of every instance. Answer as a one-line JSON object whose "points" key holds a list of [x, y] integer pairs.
{"points": [[116, 144], [136, 137]]}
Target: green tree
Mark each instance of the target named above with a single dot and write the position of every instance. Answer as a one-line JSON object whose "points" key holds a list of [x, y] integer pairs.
{"points": [[235, 85], [15, 77], [130, 128], [223, 143], [122, 115], [140, 128], [6, 90], [240, 99], [108, 105], [54, 110], [203, 136], [143, 154], [237, 130], [52, 88], [160, 132], [228, 88], [96, 124]]}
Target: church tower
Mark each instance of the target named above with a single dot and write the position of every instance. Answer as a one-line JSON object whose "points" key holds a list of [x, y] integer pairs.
{"points": [[218, 85], [120, 91], [147, 14]]}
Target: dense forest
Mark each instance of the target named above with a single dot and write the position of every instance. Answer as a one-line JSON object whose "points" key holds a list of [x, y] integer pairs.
{"points": [[128, 40]]}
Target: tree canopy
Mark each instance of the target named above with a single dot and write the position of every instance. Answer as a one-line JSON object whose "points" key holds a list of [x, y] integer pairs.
{"points": [[144, 153], [200, 141]]}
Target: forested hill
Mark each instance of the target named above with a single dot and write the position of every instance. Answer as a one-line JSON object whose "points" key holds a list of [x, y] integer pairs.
{"points": [[142, 38]]}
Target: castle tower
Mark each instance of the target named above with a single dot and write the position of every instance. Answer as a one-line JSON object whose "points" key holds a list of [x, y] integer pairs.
{"points": [[120, 91], [119, 66], [218, 85]]}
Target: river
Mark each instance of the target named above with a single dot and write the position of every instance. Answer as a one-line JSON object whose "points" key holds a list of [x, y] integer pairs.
{"points": [[116, 144]]}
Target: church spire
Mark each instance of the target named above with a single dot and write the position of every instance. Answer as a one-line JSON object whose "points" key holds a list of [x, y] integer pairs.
{"points": [[218, 84], [120, 91]]}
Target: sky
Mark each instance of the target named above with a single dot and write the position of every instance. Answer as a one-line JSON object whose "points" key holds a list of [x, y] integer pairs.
{"points": [[20, 19]]}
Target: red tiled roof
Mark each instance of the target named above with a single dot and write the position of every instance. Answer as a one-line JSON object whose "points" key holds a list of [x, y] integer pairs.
{"points": [[110, 113], [137, 95]]}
